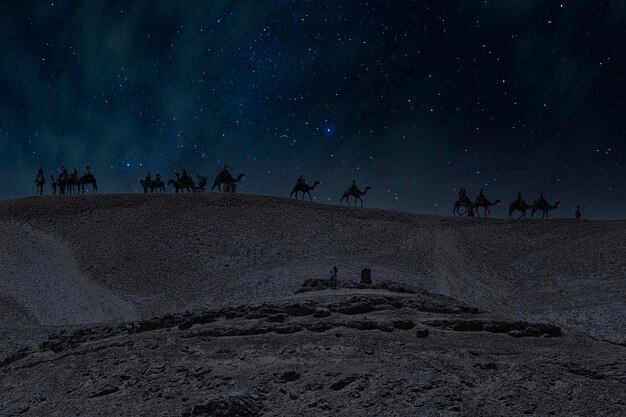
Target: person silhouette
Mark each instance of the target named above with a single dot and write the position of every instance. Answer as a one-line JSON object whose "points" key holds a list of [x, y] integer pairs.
{"points": [[301, 181], [88, 170], [481, 195], [333, 278], [542, 197], [40, 174], [158, 177], [578, 215], [353, 187]]}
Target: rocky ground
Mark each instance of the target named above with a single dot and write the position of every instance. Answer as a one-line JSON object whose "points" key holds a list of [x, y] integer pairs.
{"points": [[114, 258], [388, 350], [125, 305]]}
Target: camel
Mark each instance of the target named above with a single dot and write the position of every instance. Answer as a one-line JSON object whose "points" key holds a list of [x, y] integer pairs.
{"points": [[179, 186], [88, 179], [203, 180], [304, 189], [72, 183], [542, 205], [40, 181], [463, 202], [485, 204], [152, 185], [354, 192], [62, 182], [518, 206], [230, 183]]}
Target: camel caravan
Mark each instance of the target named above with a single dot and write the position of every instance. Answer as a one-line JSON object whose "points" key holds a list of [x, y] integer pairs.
{"points": [[464, 206], [66, 183]]}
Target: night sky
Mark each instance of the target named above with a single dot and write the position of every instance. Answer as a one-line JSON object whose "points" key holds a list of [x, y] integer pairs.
{"points": [[413, 98]]}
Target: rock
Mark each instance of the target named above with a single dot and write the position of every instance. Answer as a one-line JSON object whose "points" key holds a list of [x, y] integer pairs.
{"points": [[422, 332], [320, 312], [289, 376], [366, 276], [403, 324], [105, 390], [344, 382], [236, 405]]}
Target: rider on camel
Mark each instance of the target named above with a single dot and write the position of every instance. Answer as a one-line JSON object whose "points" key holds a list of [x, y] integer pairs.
{"points": [[301, 181], [148, 179], [481, 195], [542, 198], [353, 187], [225, 174], [520, 200], [158, 177], [88, 171], [39, 174]]}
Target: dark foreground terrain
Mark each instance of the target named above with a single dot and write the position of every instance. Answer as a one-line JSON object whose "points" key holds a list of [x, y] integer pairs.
{"points": [[387, 350]]}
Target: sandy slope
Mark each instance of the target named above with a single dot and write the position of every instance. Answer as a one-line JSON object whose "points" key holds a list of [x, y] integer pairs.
{"points": [[69, 260]]}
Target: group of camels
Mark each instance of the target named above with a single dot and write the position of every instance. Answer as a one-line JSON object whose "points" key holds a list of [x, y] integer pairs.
{"points": [[469, 207], [67, 183], [73, 183], [352, 191], [186, 182]]}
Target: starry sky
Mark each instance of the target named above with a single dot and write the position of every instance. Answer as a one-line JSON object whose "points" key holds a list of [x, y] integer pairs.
{"points": [[412, 98]]}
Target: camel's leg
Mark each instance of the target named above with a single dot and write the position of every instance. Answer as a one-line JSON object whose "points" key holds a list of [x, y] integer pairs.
{"points": [[291, 195], [310, 198]]}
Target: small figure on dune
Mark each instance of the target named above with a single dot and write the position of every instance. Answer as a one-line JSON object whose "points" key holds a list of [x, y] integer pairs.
{"points": [[226, 178], [303, 187], [333, 278], [354, 191], [578, 215], [40, 181]]}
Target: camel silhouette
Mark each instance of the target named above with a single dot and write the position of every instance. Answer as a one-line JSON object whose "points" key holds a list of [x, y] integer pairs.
{"points": [[354, 192], [543, 206], [88, 179], [230, 183], [202, 182], [466, 203], [152, 185], [179, 186], [485, 204], [304, 189], [521, 206]]}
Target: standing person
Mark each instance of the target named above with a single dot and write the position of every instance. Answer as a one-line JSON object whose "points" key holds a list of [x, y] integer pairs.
{"points": [[578, 215], [333, 278]]}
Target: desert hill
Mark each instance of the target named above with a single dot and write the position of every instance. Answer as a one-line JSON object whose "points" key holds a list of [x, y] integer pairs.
{"points": [[96, 259]]}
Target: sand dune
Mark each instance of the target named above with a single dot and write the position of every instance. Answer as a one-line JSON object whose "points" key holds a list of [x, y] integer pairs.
{"points": [[72, 260]]}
